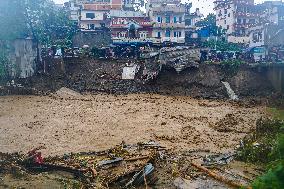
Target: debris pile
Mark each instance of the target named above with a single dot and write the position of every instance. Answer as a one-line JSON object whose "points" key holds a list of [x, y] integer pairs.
{"points": [[128, 166], [122, 166]]}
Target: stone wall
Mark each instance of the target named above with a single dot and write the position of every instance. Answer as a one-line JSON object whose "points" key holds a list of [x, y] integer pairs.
{"points": [[275, 74], [23, 56]]}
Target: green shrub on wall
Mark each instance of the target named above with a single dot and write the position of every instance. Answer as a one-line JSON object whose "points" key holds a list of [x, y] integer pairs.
{"points": [[4, 64]]}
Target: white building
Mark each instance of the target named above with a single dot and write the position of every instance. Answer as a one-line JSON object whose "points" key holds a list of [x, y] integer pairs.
{"points": [[236, 16], [91, 19], [195, 17], [168, 17]]}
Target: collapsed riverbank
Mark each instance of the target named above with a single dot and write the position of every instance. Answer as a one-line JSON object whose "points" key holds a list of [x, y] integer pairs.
{"points": [[101, 76]]}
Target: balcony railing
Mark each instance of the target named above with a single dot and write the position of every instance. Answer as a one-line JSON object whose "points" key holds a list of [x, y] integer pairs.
{"points": [[245, 14], [135, 40], [121, 24], [148, 40], [169, 25], [246, 26]]}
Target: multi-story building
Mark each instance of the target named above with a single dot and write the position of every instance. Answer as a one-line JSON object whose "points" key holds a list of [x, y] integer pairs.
{"points": [[236, 16], [168, 17], [92, 14], [273, 12], [91, 19], [73, 9], [130, 24], [192, 18], [271, 28], [163, 22]]}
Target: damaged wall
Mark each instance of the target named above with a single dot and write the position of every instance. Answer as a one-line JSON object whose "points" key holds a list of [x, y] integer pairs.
{"points": [[22, 54]]}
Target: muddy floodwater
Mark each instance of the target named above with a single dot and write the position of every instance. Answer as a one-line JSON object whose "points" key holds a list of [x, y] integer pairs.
{"points": [[82, 123], [67, 122]]}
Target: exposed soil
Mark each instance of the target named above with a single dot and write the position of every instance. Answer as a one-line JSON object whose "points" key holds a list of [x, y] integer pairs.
{"points": [[97, 76]]}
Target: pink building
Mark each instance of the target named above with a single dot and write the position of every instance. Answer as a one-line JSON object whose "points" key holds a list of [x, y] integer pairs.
{"points": [[131, 27]]}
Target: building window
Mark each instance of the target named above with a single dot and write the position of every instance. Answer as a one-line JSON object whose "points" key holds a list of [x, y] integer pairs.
{"points": [[143, 34], [177, 34], [225, 21], [180, 19], [229, 15], [251, 21], [159, 19], [239, 21], [168, 19], [228, 27], [175, 19], [121, 34], [90, 15], [220, 13], [158, 34], [226, 11], [188, 22], [168, 33], [91, 26]]}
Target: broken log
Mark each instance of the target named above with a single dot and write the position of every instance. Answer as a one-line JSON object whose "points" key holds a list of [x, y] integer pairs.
{"points": [[220, 178]]}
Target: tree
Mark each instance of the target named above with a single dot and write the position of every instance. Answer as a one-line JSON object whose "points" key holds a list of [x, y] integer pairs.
{"points": [[209, 23], [39, 19], [12, 24], [222, 45], [4, 63]]}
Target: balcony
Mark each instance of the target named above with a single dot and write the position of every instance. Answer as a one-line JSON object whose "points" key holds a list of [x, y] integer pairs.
{"points": [[173, 39], [118, 40], [169, 9], [246, 14], [245, 26], [164, 1], [169, 25], [117, 24], [126, 40], [219, 4]]}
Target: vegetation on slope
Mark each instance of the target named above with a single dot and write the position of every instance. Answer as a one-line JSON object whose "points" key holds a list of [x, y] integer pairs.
{"points": [[266, 146]]}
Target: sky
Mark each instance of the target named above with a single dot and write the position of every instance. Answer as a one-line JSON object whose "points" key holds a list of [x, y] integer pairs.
{"points": [[206, 6]]}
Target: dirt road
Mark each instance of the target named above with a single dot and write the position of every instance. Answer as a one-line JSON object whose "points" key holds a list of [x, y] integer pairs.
{"points": [[83, 123]]}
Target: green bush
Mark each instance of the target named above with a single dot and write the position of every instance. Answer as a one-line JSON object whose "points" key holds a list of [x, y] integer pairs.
{"points": [[273, 179], [3, 65], [262, 145], [266, 145], [231, 66]]}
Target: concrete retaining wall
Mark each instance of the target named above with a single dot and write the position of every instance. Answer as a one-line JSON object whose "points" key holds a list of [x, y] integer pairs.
{"points": [[93, 39], [275, 74]]}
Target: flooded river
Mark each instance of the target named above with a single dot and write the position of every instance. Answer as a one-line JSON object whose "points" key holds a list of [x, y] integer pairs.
{"points": [[67, 122]]}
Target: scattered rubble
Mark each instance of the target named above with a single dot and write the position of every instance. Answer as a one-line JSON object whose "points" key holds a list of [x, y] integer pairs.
{"points": [[124, 166]]}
